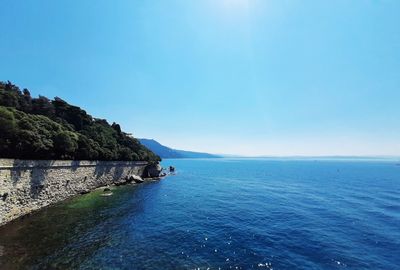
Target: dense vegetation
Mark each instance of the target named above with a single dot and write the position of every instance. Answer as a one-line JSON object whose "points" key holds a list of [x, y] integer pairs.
{"points": [[40, 128]]}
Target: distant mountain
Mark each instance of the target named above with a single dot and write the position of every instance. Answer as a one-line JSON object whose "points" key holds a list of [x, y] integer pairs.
{"points": [[166, 152]]}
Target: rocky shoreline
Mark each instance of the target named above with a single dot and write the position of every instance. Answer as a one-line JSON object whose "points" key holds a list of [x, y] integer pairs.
{"points": [[30, 185], [151, 172]]}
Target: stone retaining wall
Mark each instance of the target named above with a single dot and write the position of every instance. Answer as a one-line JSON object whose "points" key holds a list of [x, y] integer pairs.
{"points": [[28, 185]]}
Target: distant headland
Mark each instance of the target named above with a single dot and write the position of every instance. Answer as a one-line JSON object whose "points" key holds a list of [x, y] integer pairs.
{"points": [[166, 152]]}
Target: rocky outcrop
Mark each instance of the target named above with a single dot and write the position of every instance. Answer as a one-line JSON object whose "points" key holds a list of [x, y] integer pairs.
{"points": [[129, 179], [135, 178], [153, 170]]}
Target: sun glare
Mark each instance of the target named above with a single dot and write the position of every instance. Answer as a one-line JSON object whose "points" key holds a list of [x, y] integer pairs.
{"points": [[236, 5]]}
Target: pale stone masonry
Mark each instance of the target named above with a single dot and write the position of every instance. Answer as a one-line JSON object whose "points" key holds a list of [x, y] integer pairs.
{"points": [[28, 185]]}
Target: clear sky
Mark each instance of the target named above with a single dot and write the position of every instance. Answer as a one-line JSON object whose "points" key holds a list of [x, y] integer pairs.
{"points": [[250, 77]]}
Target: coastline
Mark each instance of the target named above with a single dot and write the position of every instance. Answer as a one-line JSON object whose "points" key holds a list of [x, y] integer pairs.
{"points": [[29, 185]]}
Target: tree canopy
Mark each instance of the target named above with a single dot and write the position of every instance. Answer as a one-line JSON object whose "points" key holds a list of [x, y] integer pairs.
{"points": [[40, 128]]}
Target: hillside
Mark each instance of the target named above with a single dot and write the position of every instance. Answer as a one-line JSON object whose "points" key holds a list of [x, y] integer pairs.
{"points": [[40, 128], [166, 152]]}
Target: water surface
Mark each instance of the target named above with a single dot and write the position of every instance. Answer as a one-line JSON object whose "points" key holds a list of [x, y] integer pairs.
{"points": [[223, 214]]}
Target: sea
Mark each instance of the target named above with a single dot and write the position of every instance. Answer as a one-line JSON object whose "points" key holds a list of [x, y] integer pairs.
{"points": [[223, 214]]}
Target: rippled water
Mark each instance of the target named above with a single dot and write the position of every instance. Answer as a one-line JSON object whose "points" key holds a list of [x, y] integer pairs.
{"points": [[239, 214]]}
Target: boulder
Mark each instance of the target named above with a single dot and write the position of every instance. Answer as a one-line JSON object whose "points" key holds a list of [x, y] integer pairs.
{"points": [[135, 178], [153, 170]]}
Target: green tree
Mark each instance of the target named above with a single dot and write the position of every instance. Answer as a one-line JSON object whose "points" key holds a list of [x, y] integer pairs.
{"points": [[7, 122], [65, 144], [40, 128]]}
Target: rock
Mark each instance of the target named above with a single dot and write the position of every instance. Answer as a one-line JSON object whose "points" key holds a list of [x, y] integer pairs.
{"points": [[171, 169], [4, 196], [84, 191], [137, 178], [152, 170], [107, 189]]}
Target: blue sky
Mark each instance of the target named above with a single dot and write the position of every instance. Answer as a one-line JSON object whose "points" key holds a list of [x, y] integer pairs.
{"points": [[250, 77]]}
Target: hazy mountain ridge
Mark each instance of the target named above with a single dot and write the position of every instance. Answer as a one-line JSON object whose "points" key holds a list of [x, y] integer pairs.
{"points": [[167, 152]]}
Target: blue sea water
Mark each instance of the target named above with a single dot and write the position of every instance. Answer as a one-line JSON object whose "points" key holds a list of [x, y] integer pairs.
{"points": [[223, 214]]}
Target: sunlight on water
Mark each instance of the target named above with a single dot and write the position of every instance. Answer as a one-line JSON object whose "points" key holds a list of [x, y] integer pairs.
{"points": [[223, 214]]}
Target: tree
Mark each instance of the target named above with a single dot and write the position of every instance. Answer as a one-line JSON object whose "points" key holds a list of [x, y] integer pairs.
{"points": [[40, 128], [42, 106], [65, 144], [7, 122]]}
